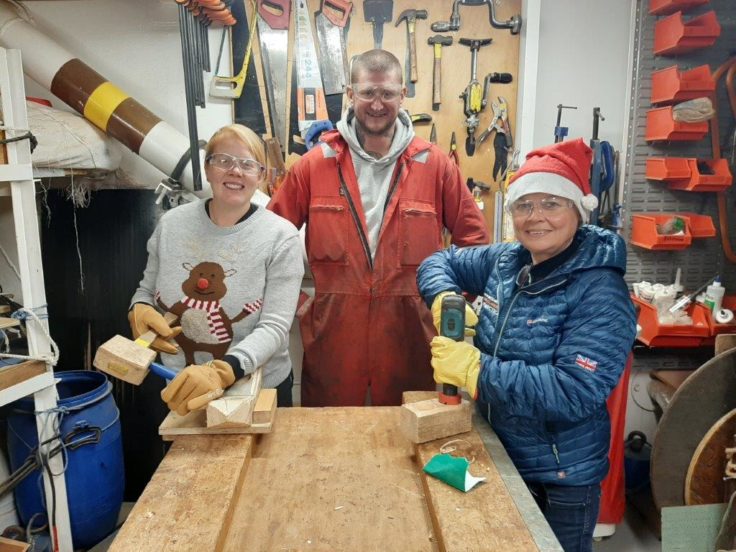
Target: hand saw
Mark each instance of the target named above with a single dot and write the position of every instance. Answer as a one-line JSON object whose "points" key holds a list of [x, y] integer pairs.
{"points": [[310, 95], [273, 29], [232, 87], [330, 22]]}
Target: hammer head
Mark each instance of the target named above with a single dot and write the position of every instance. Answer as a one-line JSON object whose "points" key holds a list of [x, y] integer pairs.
{"points": [[411, 16], [124, 359], [440, 39]]}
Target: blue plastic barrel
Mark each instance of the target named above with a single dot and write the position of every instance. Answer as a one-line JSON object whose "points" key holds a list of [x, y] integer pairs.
{"points": [[94, 472]]}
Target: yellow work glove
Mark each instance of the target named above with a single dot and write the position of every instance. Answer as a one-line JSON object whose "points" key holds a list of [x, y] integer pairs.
{"points": [[143, 317], [470, 317], [197, 385], [456, 363]]}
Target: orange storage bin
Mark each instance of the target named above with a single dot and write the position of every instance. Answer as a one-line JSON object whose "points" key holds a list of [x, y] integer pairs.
{"points": [[666, 7], [671, 85], [729, 302], [690, 174], [673, 36], [700, 226], [644, 232], [654, 334], [662, 127]]}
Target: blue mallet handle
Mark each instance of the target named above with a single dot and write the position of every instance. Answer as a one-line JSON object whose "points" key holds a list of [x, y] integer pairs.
{"points": [[162, 371]]}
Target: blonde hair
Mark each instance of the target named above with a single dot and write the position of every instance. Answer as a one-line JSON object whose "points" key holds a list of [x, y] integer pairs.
{"points": [[242, 133]]}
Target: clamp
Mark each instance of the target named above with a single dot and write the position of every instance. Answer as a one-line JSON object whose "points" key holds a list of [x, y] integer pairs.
{"points": [[503, 141]]}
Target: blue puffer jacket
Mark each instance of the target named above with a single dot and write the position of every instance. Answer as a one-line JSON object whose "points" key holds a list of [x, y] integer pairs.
{"points": [[551, 351]]}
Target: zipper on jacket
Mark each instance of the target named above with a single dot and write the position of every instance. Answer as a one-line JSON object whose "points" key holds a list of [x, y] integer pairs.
{"points": [[356, 219], [556, 453], [393, 187], [513, 300]]}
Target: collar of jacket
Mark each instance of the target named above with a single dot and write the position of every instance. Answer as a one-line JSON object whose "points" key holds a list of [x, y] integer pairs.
{"points": [[599, 248], [339, 146]]}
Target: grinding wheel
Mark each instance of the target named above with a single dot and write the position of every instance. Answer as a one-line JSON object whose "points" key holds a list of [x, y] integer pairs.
{"points": [[701, 400]]}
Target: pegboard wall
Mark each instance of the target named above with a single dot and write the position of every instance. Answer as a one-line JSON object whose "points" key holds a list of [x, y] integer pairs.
{"points": [[705, 257], [501, 56]]}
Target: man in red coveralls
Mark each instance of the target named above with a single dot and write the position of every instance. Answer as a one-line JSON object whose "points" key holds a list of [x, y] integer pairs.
{"points": [[375, 199]]}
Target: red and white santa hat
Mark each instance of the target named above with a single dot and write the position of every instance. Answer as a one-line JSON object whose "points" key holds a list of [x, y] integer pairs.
{"points": [[562, 170]]}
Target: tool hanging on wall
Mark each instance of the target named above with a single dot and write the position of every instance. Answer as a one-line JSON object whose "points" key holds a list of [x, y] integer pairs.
{"points": [[503, 141], [602, 172], [273, 29], [378, 12], [513, 24], [232, 87], [330, 22], [453, 149], [410, 61], [194, 18], [474, 96], [437, 42], [478, 188], [560, 131], [433, 135], [310, 94], [277, 170]]}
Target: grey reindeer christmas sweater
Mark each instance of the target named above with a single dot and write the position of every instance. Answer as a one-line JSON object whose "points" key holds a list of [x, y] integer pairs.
{"points": [[234, 289]]}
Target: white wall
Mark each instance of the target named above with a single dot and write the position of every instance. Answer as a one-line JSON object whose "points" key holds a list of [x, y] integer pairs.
{"points": [[576, 53], [135, 45]]}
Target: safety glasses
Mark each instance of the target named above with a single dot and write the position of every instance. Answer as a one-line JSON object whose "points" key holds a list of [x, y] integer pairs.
{"points": [[226, 162]]}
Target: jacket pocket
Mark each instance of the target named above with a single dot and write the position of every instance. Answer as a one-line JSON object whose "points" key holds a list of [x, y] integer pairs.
{"points": [[326, 230], [419, 232]]}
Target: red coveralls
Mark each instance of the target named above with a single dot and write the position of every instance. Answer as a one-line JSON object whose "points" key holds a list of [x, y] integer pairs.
{"points": [[367, 325]]}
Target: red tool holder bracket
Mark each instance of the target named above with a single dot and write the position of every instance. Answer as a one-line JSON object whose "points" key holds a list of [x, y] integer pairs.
{"points": [[690, 174], [661, 126], [644, 230], [673, 36], [654, 334], [670, 85], [666, 7]]}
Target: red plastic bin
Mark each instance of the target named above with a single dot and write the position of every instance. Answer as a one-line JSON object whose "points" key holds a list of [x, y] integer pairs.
{"points": [[690, 174], [644, 233], [673, 36], [700, 226], [729, 302], [670, 86], [654, 334], [666, 7], [661, 126]]}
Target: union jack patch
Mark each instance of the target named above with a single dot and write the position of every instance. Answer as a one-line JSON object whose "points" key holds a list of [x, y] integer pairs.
{"points": [[586, 363], [490, 302]]}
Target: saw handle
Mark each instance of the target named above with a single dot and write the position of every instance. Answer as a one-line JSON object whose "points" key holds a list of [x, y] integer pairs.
{"points": [[338, 12], [276, 13]]}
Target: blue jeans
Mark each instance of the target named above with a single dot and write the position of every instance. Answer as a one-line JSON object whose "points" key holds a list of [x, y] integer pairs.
{"points": [[571, 512]]}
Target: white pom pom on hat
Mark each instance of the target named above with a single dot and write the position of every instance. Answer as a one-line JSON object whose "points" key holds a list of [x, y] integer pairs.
{"points": [[562, 170]]}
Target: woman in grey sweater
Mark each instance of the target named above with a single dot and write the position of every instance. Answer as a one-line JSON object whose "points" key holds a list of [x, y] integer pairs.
{"points": [[231, 272]]}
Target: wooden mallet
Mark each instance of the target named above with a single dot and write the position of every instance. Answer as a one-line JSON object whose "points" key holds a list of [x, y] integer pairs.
{"points": [[130, 360]]}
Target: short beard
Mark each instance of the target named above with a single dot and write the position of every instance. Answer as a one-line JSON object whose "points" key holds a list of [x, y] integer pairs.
{"points": [[361, 131]]}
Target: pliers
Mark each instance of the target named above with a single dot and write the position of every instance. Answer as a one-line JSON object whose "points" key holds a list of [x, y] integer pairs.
{"points": [[503, 141], [453, 150]]}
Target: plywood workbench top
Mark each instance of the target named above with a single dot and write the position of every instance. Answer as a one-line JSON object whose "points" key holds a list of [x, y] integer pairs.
{"points": [[326, 479]]}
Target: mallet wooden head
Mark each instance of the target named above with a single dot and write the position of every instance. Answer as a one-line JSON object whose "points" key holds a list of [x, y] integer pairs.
{"points": [[124, 359]]}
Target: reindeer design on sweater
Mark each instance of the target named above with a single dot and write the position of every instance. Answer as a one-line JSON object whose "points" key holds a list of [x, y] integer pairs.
{"points": [[206, 327]]}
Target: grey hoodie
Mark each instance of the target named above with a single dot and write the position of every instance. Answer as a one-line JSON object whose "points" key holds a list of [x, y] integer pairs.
{"points": [[374, 175]]}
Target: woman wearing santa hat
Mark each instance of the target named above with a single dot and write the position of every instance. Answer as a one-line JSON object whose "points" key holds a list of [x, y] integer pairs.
{"points": [[554, 331]]}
